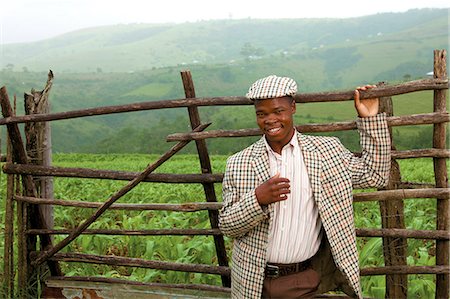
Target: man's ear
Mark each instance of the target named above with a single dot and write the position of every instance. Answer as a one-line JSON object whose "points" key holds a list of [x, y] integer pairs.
{"points": [[294, 106]]}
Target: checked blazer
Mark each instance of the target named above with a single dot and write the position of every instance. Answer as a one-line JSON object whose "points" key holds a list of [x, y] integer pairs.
{"points": [[333, 172]]}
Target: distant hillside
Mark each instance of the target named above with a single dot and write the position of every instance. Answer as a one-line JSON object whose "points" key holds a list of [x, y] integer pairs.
{"points": [[134, 63], [125, 48]]}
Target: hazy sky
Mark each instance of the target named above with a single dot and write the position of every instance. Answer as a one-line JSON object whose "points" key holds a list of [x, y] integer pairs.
{"points": [[29, 20]]}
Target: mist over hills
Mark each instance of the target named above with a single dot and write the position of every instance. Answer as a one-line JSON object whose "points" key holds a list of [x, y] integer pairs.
{"points": [[134, 47], [123, 64]]}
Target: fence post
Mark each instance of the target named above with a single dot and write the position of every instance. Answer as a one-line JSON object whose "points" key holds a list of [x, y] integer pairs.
{"points": [[38, 144], [441, 176], [8, 258], [205, 165], [392, 216], [28, 214]]}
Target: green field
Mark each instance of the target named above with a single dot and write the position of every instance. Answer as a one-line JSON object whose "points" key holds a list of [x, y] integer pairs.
{"points": [[419, 214]]}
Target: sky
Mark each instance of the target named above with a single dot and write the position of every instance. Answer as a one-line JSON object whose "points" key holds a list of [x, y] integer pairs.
{"points": [[31, 20]]}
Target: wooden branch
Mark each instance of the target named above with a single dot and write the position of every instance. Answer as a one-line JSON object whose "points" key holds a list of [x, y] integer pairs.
{"points": [[137, 262], [421, 153], [407, 120], [125, 232], [360, 232], [109, 174], [404, 233], [49, 253], [203, 287], [20, 156], [440, 193], [8, 262], [415, 185], [405, 270], [419, 85], [441, 175], [221, 270], [205, 165], [193, 207], [184, 207]]}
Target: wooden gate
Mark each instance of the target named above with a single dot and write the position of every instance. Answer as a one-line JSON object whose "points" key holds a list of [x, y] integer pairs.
{"points": [[31, 220]]}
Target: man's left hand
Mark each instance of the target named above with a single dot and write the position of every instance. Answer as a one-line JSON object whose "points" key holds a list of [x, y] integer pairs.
{"points": [[366, 107]]}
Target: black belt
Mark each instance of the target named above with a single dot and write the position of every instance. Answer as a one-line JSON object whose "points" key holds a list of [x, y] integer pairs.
{"points": [[276, 270]]}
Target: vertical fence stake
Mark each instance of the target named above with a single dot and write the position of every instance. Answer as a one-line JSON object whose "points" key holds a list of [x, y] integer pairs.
{"points": [[441, 176], [9, 229], [205, 164], [26, 273], [392, 216]]}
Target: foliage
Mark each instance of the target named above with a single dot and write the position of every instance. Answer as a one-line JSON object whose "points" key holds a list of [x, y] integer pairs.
{"points": [[419, 214]]}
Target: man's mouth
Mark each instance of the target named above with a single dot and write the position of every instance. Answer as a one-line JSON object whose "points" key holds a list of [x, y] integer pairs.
{"points": [[273, 131]]}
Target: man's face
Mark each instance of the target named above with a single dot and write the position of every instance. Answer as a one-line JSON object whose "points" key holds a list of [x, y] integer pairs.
{"points": [[275, 119]]}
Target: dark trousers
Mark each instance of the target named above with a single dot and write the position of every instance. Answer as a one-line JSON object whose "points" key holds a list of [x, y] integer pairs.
{"points": [[296, 285]]}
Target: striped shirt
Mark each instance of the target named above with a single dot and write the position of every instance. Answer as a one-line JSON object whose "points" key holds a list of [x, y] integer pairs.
{"points": [[295, 230]]}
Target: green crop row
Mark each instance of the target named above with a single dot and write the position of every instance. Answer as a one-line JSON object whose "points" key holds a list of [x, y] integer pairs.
{"points": [[419, 214]]}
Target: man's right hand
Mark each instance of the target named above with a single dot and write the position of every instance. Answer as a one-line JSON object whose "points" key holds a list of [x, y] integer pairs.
{"points": [[273, 190]]}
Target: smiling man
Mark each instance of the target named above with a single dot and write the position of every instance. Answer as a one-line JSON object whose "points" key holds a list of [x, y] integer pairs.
{"points": [[287, 199]]}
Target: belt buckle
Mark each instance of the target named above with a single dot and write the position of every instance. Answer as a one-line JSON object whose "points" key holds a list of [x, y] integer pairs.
{"points": [[272, 271]]}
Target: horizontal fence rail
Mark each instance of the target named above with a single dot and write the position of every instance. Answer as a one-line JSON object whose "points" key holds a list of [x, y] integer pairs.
{"points": [[440, 193], [387, 90], [125, 232], [53, 280], [393, 121]]}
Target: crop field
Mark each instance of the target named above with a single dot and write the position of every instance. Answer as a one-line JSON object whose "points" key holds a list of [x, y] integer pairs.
{"points": [[419, 214]]}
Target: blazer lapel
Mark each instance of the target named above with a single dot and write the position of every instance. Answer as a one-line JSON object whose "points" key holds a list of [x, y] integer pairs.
{"points": [[260, 162], [313, 164]]}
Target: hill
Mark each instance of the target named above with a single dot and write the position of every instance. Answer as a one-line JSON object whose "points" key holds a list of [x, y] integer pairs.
{"points": [[140, 62], [133, 47]]}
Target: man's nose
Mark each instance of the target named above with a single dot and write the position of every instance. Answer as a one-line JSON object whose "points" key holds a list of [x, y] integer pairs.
{"points": [[270, 119]]}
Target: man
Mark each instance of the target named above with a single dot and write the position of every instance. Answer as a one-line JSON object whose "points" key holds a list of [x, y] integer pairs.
{"points": [[287, 199]]}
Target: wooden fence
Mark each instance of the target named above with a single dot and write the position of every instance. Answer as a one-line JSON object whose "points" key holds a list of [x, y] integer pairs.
{"points": [[31, 220]]}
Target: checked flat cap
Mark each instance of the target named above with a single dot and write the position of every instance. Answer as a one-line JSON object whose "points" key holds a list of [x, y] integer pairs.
{"points": [[272, 87]]}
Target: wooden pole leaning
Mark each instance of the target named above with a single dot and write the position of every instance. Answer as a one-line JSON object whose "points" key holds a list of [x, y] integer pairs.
{"points": [[82, 227], [205, 164]]}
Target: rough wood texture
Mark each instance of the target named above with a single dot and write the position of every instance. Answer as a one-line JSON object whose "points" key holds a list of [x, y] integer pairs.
{"points": [[37, 136], [405, 270], [360, 232], [34, 216], [205, 165], [406, 120], [110, 174], [393, 217], [8, 260], [38, 143], [419, 85], [75, 233], [403, 233], [125, 232], [441, 175], [440, 193], [137, 262], [53, 281], [184, 207]]}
